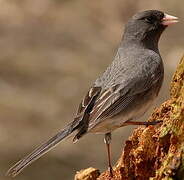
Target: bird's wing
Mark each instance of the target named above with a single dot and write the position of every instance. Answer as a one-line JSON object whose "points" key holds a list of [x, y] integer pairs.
{"points": [[110, 101], [117, 99]]}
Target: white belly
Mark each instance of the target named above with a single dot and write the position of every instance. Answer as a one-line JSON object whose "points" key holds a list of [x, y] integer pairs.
{"points": [[110, 124]]}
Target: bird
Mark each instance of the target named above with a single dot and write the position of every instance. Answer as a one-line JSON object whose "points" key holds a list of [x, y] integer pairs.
{"points": [[123, 92]]}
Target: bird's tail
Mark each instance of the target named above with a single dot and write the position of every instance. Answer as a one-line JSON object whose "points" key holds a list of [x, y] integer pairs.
{"points": [[41, 150]]}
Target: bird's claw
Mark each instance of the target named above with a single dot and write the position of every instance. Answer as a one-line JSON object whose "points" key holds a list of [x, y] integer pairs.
{"points": [[110, 171]]}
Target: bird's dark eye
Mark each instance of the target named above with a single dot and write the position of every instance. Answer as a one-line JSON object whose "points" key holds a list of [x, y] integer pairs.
{"points": [[150, 19]]}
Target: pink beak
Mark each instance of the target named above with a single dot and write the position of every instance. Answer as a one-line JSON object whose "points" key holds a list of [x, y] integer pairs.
{"points": [[168, 20]]}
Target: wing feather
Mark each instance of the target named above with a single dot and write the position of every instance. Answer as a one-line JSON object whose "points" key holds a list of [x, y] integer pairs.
{"points": [[106, 99]]}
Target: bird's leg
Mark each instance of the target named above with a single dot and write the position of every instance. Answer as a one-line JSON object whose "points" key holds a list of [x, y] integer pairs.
{"points": [[141, 123], [107, 141]]}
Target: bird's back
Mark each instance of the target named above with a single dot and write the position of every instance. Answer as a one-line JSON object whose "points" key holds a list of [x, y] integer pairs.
{"points": [[130, 64]]}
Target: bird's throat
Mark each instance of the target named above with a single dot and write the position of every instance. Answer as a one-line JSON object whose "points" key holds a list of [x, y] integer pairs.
{"points": [[146, 41]]}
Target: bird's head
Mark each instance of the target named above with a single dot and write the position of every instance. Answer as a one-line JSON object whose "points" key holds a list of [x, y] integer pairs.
{"points": [[147, 26]]}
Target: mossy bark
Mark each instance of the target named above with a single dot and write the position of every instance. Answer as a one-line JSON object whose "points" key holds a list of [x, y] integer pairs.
{"points": [[156, 152]]}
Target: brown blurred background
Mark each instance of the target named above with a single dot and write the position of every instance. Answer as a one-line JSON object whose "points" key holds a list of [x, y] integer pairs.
{"points": [[50, 53]]}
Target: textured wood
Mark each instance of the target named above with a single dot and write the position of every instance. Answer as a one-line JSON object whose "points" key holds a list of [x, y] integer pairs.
{"points": [[87, 174]]}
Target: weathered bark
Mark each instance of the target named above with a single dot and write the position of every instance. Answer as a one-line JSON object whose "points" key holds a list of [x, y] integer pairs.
{"points": [[156, 152]]}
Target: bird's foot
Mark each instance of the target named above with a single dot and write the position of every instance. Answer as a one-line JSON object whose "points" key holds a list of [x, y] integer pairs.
{"points": [[110, 171], [153, 122], [142, 123]]}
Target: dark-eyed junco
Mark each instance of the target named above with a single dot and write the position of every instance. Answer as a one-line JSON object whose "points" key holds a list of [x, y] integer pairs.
{"points": [[123, 92]]}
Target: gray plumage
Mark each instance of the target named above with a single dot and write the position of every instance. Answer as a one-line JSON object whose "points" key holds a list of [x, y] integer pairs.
{"points": [[123, 92], [132, 83]]}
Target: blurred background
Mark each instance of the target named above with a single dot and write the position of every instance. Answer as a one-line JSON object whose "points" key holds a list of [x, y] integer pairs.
{"points": [[50, 53]]}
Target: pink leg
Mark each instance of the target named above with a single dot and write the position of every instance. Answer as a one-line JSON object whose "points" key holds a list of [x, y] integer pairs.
{"points": [[141, 123], [107, 141]]}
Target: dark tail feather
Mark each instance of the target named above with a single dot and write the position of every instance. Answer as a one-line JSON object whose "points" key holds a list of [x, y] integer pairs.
{"points": [[44, 148]]}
